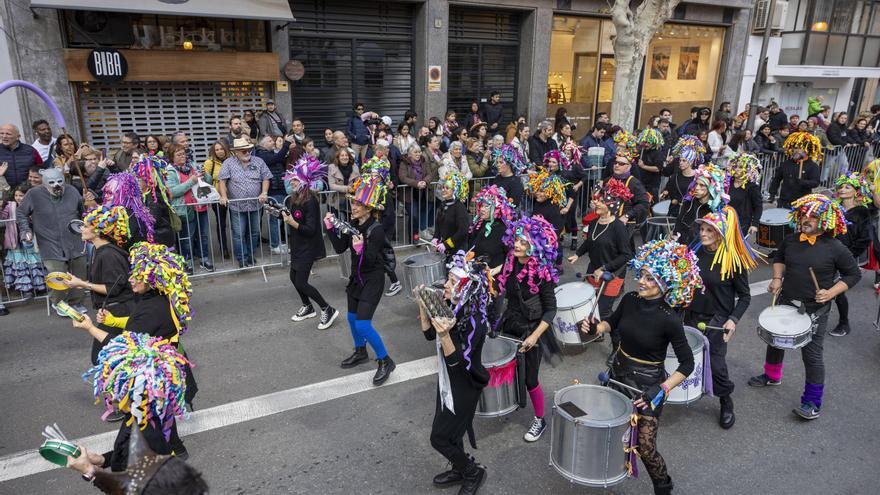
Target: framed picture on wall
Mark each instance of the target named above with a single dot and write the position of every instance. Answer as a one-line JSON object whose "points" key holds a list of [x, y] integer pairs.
{"points": [[688, 61], [660, 62]]}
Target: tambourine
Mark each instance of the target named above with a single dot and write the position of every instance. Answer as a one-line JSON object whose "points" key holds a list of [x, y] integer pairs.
{"points": [[76, 226], [68, 311], [53, 280], [56, 451]]}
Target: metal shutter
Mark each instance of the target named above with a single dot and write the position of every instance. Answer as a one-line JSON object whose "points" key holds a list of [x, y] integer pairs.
{"points": [[201, 109], [483, 56], [352, 52]]}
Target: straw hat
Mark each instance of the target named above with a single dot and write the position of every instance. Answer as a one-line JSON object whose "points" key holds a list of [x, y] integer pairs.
{"points": [[241, 143]]}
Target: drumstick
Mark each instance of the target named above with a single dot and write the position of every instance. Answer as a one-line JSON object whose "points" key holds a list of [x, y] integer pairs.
{"points": [[773, 302], [815, 282]]}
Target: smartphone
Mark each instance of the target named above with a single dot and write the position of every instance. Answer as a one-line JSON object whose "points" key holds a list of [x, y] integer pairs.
{"points": [[573, 410]]}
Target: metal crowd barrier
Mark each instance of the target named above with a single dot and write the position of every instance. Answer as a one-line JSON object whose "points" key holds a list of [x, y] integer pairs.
{"points": [[835, 162]]}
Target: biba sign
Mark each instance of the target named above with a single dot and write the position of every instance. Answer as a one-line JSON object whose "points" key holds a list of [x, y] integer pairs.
{"points": [[107, 65]]}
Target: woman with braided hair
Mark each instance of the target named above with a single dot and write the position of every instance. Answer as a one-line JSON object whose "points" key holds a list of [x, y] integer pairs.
{"points": [[528, 281]]}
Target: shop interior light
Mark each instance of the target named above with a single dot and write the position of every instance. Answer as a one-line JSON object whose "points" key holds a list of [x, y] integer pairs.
{"points": [[187, 45], [820, 26]]}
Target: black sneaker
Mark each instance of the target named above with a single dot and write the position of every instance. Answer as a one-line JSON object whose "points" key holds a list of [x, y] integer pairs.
{"points": [[536, 430], [808, 410], [207, 265], [763, 380], [115, 417], [393, 289], [841, 330], [328, 316], [304, 312]]}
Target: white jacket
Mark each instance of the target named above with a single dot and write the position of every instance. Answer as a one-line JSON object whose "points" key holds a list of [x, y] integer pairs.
{"points": [[450, 164]]}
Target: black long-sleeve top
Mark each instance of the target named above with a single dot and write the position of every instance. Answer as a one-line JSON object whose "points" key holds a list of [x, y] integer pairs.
{"points": [[452, 225], [110, 267], [516, 290], [609, 247], [367, 269], [647, 327], [858, 230], [676, 187], [459, 376], [685, 222], [794, 186], [306, 244], [637, 207], [827, 257], [748, 204], [725, 299], [150, 314], [513, 186], [490, 245], [652, 158], [551, 213]]}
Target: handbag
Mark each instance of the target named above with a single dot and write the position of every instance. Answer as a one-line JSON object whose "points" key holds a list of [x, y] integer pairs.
{"points": [[205, 193]]}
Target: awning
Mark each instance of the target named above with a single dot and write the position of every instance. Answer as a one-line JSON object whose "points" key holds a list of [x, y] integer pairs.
{"points": [[271, 10]]}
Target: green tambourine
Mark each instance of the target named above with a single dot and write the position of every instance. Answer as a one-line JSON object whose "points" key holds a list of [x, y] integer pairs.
{"points": [[56, 451]]}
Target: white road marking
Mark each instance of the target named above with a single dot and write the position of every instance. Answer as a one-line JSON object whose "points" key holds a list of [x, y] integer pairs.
{"points": [[758, 288], [30, 462]]}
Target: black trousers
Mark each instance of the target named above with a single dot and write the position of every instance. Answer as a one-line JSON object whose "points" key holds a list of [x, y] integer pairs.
{"points": [[448, 430], [532, 357], [812, 353], [721, 384], [299, 276]]}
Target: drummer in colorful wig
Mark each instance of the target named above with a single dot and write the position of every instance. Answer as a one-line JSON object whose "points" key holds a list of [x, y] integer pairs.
{"points": [[570, 173], [123, 190], [509, 164], [745, 190], [853, 195], [687, 154], [494, 211], [452, 222], [706, 194], [150, 172], [378, 166], [528, 280], [366, 282], [724, 258], [303, 219], [468, 292], [668, 278], [550, 201], [637, 207], [799, 173], [652, 160], [818, 220]]}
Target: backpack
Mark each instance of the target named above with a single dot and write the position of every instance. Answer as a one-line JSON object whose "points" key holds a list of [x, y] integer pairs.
{"points": [[390, 260]]}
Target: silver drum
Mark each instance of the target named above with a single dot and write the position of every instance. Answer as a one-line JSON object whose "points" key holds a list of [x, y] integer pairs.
{"points": [[422, 269], [692, 387], [659, 228], [781, 326], [589, 449], [500, 399], [661, 209]]}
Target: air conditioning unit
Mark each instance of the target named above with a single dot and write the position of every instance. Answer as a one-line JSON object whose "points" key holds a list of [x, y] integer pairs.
{"points": [[762, 11]]}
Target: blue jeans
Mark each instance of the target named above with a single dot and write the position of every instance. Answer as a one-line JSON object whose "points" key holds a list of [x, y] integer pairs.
{"points": [[193, 237], [276, 237], [245, 234]]}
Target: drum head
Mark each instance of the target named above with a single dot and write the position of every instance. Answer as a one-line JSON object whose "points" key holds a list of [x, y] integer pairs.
{"points": [[775, 216], [661, 209], [604, 406], [423, 259], [56, 451], [497, 352], [783, 319], [695, 341], [574, 294]]}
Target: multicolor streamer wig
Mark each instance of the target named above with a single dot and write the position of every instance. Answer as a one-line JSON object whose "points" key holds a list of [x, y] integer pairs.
{"points": [[109, 222], [509, 155], [500, 207], [651, 139], [123, 190], [734, 254], [856, 181], [458, 184], [379, 166], [716, 181], [829, 213], [613, 193], [369, 191], [673, 266], [573, 153], [543, 249], [152, 170], [690, 148], [746, 168], [309, 172], [144, 376], [544, 181], [626, 144], [162, 270], [561, 160], [472, 295], [804, 141]]}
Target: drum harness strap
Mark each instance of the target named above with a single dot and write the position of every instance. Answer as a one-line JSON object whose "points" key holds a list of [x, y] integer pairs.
{"points": [[637, 360]]}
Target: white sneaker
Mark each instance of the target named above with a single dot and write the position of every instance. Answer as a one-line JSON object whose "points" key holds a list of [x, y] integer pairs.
{"points": [[536, 430], [305, 312], [393, 289], [328, 316], [276, 250]]}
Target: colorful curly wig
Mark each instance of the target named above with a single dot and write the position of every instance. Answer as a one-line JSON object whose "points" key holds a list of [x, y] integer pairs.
{"points": [[309, 172], [716, 181], [613, 193], [110, 222], [871, 173], [734, 253], [474, 293], [380, 166], [651, 139], [690, 148], [573, 153], [458, 184], [164, 271], [123, 190], [557, 155], [511, 157], [673, 266], [543, 249], [829, 213], [501, 207], [369, 191], [626, 144], [152, 170], [856, 181], [546, 182], [746, 168], [805, 141]]}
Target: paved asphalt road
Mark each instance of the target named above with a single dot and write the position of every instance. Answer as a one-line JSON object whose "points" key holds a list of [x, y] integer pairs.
{"points": [[376, 441]]}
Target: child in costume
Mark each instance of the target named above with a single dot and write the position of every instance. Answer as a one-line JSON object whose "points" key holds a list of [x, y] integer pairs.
{"points": [[22, 268]]}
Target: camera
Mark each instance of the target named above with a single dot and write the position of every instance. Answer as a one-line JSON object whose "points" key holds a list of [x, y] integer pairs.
{"points": [[274, 208], [372, 121]]}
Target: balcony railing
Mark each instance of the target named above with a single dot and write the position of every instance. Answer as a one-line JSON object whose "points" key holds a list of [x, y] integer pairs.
{"points": [[831, 49]]}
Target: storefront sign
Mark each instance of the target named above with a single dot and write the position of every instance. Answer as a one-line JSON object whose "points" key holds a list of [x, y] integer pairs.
{"points": [[107, 65], [434, 78], [281, 86]]}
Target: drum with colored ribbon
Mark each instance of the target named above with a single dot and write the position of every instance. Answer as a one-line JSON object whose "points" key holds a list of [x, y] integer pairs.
{"points": [[499, 396]]}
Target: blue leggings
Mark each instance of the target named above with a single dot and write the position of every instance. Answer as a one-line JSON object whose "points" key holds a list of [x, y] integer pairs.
{"points": [[362, 331]]}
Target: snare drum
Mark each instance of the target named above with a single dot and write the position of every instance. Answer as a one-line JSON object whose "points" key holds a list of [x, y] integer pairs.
{"points": [[422, 269], [659, 228], [691, 388], [661, 209], [588, 432], [783, 327], [573, 303], [774, 227], [499, 396]]}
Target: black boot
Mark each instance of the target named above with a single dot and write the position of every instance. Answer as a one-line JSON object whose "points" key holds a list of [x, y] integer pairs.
{"points": [[665, 487], [386, 366], [727, 416], [472, 477], [359, 356], [448, 478]]}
